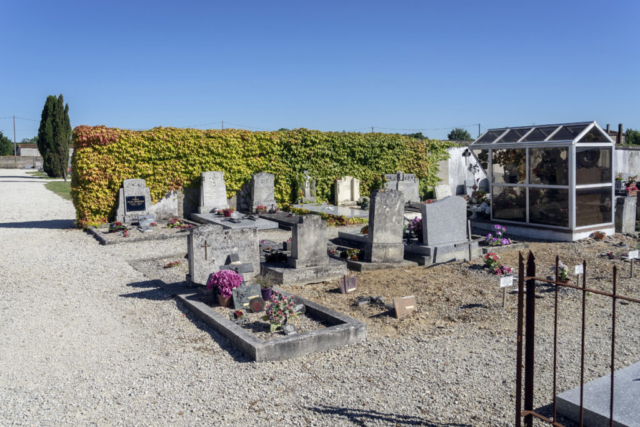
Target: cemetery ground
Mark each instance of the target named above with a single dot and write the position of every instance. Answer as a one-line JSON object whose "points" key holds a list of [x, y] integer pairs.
{"points": [[88, 339]]}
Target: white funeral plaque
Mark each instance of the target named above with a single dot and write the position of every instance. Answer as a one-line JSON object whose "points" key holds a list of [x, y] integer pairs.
{"points": [[579, 269], [506, 281], [633, 254]]}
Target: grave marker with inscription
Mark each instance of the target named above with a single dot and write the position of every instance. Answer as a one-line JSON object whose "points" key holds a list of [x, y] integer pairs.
{"points": [[347, 190], [407, 184], [134, 200], [243, 295], [386, 221], [213, 192], [262, 192], [404, 306]]}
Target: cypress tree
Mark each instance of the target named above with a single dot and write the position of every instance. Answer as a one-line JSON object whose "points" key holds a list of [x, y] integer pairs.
{"points": [[54, 135]]}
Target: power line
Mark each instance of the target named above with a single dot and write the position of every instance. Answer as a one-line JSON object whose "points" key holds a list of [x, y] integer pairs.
{"points": [[24, 118], [446, 128]]}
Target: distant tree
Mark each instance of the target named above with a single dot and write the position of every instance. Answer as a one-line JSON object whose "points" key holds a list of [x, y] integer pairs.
{"points": [[417, 135], [54, 135], [632, 137], [283, 130], [6, 146], [33, 140], [459, 134]]}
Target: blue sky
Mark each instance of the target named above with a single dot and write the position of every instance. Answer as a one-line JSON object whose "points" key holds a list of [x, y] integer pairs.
{"points": [[329, 65]]}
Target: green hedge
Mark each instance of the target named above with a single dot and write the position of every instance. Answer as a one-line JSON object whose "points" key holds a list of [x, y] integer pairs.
{"points": [[172, 159]]}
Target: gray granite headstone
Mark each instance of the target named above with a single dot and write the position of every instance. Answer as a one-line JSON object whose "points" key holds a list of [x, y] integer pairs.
{"points": [[210, 246], [309, 242], [213, 192], [386, 221], [243, 295], [262, 192], [134, 200], [444, 221], [408, 184]]}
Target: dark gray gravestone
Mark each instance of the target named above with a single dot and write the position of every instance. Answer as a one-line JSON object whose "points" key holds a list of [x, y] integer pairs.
{"points": [[243, 295]]}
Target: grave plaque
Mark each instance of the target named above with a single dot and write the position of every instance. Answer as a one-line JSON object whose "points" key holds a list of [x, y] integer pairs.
{"points": [[135, 203], [633, 254], [243, 295], [506, 281], [578, 269], [289, 330], [404, 306], [134, 200], [348, 284], [256, 305], [238, 268]]}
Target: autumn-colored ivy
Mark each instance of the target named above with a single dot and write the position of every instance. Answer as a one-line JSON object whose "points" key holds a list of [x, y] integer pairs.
{"points": [[172, 159]]}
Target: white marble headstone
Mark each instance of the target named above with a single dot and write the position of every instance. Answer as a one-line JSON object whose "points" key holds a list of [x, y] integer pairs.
{"points": [[213, 192]]}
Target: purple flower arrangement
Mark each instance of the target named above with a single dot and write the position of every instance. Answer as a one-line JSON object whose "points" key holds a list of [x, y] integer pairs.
{"points": [[279, 310], [226, 281], [498, 239]]}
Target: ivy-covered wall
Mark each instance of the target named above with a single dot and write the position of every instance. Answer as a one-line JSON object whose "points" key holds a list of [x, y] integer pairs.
{"points": [[172, 159]]}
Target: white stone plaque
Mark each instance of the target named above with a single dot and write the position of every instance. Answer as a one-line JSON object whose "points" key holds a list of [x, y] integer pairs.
{"points": [[506, 281], [579, 269], [633, 254]]}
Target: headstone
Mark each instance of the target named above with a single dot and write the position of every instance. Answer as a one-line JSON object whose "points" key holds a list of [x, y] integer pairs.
{"points": [[134, 200], [408, 184], [308, 188], [347, 191], [444, 221], [210, 246], [386, 221], [441, 191], [243, 295], [626, 214], [348, 284], [213, 192], [309, 242], [262, 190], [404, 306]]}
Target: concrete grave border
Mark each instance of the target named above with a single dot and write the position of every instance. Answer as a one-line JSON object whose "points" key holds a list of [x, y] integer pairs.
{"points": [[137, 236]]}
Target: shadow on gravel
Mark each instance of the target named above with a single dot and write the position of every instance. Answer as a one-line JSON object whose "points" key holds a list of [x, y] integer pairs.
{"points": [[364, 417], [52, 224]]}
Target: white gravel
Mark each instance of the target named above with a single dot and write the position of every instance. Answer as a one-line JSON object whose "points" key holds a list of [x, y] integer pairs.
{"points": [[86, 340]]}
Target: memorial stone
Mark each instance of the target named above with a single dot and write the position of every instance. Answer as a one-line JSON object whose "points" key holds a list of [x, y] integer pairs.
{"points": [[625, 216], [262, 191], [386, 221], [309, 242], [210, 247], [408, 184], [347, 191], [444, 221], [213, 192], [134, 200], [308, 188], [441, 191], [243, 295]]}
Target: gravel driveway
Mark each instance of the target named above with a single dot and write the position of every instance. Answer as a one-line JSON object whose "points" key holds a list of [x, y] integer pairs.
{"points": [[87, 340]]}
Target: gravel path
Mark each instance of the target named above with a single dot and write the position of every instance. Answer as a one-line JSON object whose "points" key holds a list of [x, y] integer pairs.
{"points": [[88, 340]]}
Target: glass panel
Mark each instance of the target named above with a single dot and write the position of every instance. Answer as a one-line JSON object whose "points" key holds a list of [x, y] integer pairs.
{"points": [[548, 166], [509, 166], [540, 134], [594, 135], [593, 165], [549, 206], [509, 203], [514, 135], [593, 206], [568, 133], [483, 158], [491, 136]]}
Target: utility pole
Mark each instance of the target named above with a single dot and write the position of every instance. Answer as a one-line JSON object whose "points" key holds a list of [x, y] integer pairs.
{"points": [[223, 125], [371, 129], [15, 146], [478, 130]]}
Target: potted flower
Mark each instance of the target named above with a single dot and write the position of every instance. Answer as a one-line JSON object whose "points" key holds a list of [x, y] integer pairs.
{"points": [[563, 273], [498, 239], [632, 190], [227, 212], [238, 314], [619, 182], [225, 281], [279, 310], [365, 229], [117, 226], [491, 260], [266, 287], [261, 209]]}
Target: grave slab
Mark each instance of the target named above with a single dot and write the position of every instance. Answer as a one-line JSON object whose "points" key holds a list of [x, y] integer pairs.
{"points": [[282, 275], [334, 210], [372, 266], [260, 223], [597, 393]]}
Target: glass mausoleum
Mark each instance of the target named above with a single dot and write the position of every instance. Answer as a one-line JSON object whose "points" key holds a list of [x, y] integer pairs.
{"points": [[549, 181]]}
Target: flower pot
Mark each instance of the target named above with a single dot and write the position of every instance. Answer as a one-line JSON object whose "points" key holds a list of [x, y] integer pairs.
{"points": [[632, 192], [267, 293], [565, 282], [618, 185], [227, 214], [599, 235], [224, 302]]}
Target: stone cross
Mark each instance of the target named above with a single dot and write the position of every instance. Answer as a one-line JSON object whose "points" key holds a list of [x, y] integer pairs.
{"points": [[205, 246]]}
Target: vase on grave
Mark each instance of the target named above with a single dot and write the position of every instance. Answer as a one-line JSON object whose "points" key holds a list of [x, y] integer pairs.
{"points": [[225, 302], [267, 293]]}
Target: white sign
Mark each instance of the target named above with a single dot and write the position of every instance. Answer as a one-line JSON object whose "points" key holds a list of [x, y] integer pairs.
{"points": [[506, 281], [633, 254], [579, 269]]}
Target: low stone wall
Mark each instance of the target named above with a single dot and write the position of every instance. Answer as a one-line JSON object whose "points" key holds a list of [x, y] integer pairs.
{"points": [[627, 160], [19, 162]]}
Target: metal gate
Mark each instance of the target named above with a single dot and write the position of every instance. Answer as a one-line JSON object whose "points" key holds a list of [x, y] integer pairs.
{"points": [[528, 323]]}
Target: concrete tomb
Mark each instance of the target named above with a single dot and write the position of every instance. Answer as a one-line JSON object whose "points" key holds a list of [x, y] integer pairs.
{"points": [[262, 192], [134, 200], [347, 191], [213, 192], [408, 184], [386, 221], [212, 248]]}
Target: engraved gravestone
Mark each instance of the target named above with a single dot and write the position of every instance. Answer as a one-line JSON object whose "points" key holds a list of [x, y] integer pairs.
{"points": [[210, 246], [404, 306], [262, 190], [348, 284], [408, 184], [444, 221], [386, 221], [134, 200], [213, 192], [309, 242], [243, 295], [347, 190]]}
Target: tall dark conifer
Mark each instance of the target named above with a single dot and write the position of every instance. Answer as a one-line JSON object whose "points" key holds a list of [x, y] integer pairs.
{"points": [[54, 135]]}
